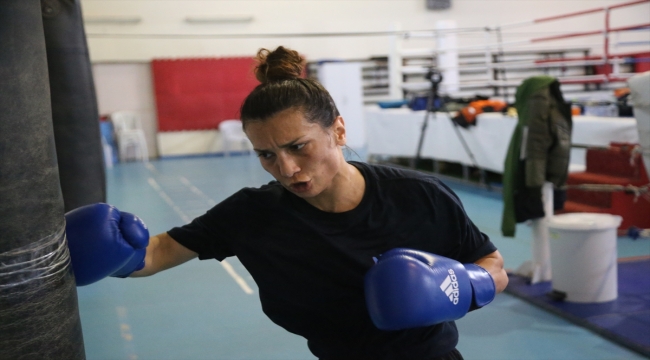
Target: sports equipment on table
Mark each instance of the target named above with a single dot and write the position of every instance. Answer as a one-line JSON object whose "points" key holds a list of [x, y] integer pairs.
{"points": [[409, 288], [104, 241], [467, 116]]}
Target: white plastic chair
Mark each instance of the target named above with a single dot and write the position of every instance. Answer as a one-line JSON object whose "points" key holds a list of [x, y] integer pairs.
{"points": [[233, 137], [129, 136]]}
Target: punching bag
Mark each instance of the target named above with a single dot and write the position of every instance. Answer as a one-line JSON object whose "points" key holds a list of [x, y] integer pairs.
{"points": [[39, 317], [74, 105]]}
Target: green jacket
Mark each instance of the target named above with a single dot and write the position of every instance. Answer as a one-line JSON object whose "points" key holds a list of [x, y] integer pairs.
{"points": [[539, 150]]}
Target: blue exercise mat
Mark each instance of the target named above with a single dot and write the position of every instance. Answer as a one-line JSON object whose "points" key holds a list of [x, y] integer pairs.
{"points": [[625, 320]]}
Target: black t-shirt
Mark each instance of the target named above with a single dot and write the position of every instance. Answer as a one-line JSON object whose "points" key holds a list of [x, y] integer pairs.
{"points": [[309, 265]]}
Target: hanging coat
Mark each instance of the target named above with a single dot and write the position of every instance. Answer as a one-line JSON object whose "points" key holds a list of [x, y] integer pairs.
{"points": [[539, 151]]}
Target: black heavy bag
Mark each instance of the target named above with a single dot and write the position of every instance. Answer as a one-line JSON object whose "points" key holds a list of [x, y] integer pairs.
{"points": [[39, 317], [74, 105]]}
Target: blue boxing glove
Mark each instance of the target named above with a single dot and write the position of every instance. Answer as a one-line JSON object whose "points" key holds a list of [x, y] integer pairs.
{"points": [[104, 241], [410, 288]]}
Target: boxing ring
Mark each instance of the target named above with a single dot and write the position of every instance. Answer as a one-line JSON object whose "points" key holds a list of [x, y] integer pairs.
{"points": [[491, 63]]}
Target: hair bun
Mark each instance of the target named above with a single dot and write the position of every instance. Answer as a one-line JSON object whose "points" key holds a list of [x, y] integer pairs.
{"points": [[279, 64]]}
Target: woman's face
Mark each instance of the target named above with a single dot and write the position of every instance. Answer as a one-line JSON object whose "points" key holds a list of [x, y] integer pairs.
{"points": [[302, 156]]}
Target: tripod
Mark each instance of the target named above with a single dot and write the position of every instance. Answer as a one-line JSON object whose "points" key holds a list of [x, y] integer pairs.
{"points": [[435, 77]]}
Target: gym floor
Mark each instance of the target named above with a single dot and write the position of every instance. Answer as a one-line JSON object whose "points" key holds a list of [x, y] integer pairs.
{"points": [[210, 310]]}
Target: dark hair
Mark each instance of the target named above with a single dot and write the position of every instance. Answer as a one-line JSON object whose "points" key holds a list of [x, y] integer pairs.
{"points": [[279, 72]]}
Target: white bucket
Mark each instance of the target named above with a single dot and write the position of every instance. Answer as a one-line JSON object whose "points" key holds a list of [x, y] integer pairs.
{"points": [[584, 256]]}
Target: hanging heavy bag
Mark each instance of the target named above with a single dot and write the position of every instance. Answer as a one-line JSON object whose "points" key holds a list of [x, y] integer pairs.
{"points": [[74, 105]]}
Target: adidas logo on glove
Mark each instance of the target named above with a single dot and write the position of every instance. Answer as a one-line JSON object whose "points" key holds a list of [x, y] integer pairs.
{"points": [[401, 289], [450, 287]]}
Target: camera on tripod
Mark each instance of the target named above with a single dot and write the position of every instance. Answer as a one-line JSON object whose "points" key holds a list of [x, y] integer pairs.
{"points": [[434, 76], [429, 101], [434, 102]]}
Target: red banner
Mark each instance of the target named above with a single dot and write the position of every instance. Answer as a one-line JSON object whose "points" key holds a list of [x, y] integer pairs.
{"points": [[197, 94]]}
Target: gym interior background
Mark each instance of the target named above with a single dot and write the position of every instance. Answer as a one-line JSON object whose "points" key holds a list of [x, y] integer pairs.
{"points": [[371, 54]]}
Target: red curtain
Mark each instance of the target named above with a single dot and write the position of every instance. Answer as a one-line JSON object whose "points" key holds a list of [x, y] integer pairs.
{"points": [[197, 94]]}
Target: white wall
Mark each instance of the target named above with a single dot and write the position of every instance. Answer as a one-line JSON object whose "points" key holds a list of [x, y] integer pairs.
{"points": [[128, 86], [318, 16], [122, 72]]}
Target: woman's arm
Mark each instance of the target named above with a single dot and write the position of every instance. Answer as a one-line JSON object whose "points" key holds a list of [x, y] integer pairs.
{"points": [[493, 263], [163, 252]]}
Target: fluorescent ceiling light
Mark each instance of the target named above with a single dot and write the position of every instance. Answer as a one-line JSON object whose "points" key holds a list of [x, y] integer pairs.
{"points": [[218, 19], [112, 20]]}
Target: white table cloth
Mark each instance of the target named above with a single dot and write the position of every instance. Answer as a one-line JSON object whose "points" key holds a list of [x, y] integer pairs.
{"points": [[396, 132]]}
